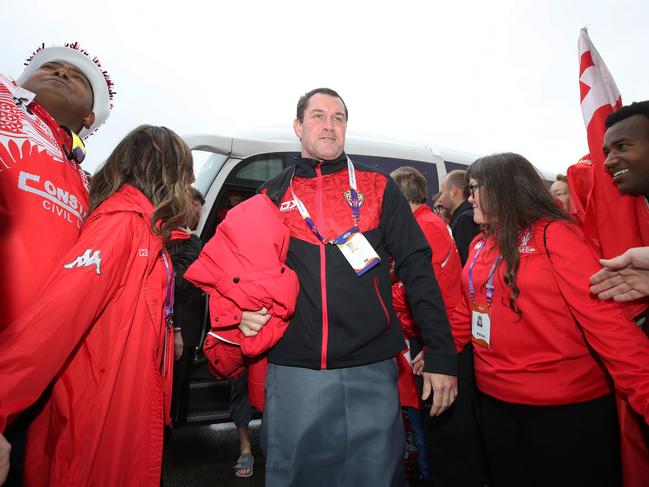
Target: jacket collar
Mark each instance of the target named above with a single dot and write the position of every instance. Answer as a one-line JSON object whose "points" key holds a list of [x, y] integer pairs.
{"points": [[305, 167], [127, 198], [464, 206], [422, 210]]}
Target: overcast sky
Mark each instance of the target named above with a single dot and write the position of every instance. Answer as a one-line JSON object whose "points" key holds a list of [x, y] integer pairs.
{"points": [[473, 76]]}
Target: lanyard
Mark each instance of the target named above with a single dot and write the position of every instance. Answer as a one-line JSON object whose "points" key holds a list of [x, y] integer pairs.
{"points": [[490, 279], [354, 203], [169, 302]]}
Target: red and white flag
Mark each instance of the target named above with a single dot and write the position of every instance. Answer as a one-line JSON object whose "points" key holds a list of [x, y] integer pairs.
{"points": [[612, 222]]}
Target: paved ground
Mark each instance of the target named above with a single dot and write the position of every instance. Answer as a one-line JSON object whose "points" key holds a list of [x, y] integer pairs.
{"points": [[200, 456]]}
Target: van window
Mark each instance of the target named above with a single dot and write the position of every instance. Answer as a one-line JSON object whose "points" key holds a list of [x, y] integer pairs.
{"points": [[242, 183], [387, 164], [452, 166], [260, 168]]}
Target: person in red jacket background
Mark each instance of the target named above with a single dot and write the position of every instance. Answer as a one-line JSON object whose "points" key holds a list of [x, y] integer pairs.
{"points": [[453, 450], [100, 332], [544, 347]]}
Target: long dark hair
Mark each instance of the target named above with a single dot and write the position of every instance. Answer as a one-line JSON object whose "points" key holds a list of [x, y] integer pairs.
{"points": [[156, 161], [513, 195]]}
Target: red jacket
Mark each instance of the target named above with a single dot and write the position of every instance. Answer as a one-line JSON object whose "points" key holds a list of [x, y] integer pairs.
{"points": [[546, 357], [243, 268], [97, 329], [43, 198], [448, 270]]}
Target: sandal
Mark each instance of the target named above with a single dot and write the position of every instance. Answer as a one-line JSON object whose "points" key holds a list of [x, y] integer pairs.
{"points": [[244, 462]]}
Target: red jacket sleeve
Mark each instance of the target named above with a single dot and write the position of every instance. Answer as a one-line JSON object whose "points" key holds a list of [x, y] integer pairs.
{"points": [[37, 345], [622, 346]]}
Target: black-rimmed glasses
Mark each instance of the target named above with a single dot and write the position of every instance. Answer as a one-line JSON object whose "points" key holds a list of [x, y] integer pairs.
{"points": [[472, 188]]}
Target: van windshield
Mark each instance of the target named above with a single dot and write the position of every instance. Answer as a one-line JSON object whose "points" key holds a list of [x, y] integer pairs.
{"points": [[206, 166]]}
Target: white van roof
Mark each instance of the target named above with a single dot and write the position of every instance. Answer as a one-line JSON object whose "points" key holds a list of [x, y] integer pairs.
{"points": [[282, 139]]}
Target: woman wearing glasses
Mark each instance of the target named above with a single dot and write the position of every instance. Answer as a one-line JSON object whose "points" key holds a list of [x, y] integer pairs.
{"points": [[544, 347], [100, 332]]}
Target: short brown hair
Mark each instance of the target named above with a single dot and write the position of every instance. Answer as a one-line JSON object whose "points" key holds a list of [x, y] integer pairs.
{"points": [[562, 178], [412, 184], [458, 179], [304, 101]]}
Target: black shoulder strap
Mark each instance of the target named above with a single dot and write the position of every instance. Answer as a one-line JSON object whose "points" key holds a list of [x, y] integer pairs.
{"points": [[545, 239], [276, 187]]}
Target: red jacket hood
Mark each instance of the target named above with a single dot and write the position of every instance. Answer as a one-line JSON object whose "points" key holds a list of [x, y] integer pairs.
{"points": [[126, 198]]}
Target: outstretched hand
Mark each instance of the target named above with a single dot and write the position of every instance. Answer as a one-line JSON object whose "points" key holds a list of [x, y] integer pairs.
{"points": [[623, 278]]}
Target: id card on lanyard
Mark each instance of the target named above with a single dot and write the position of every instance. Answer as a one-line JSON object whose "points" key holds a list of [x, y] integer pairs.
{"points": [[354, 246], [481, 314]]}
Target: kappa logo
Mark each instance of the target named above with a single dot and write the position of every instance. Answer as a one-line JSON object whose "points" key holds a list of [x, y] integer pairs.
{"points": [[288, 206], [87, 259], [144, 252]]}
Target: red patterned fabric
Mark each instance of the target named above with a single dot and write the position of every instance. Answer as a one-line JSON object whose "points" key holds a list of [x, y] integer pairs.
{"points": [[43, 198]]}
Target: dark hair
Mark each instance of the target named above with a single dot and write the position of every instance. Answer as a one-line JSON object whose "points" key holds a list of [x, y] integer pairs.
{"points": [[513, 195], [198, 196], [412, 184], [635, 108], [458, 179], [304, 101], [156, 161], [563, 178]]}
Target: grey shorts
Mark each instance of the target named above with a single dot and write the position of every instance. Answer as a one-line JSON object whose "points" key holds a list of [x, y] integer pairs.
{"points": [[331, 428]]}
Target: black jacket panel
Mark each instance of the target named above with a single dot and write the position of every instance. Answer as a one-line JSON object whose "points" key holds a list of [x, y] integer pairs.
{"points": [[464, 229]]}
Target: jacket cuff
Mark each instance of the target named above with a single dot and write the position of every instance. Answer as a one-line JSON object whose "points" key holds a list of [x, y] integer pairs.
{"points": [[440, 363]]}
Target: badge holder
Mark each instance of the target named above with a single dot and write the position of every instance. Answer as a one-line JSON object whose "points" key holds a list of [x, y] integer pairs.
{"points": [[480, 325], [357, 250]]}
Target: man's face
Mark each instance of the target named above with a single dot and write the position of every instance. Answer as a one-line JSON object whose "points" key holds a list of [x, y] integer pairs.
{"points": [[64, 92], [445, 198], [323, 130], [559, 190], [626, 147]]}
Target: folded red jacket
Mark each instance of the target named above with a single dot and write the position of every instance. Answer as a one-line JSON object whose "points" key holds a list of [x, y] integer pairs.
{"points": [[243, 268]]}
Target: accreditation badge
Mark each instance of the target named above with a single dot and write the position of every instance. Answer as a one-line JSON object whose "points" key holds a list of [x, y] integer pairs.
{"points": [[357, 250], [480, 325]]}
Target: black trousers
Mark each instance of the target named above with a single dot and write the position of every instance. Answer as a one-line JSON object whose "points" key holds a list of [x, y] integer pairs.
{"points": [[539, 446], [240, 408], [453, 438]]}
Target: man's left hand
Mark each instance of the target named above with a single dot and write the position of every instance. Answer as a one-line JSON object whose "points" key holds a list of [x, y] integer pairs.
{"points": [[444, 389], [178, 345]]}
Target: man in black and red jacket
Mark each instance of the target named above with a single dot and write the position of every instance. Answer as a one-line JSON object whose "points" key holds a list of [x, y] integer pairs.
{"points": [[332, 412]]}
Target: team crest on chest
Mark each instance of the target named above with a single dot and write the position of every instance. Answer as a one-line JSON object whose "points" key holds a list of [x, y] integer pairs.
{"points": [[348, 196], [524, 248]]}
